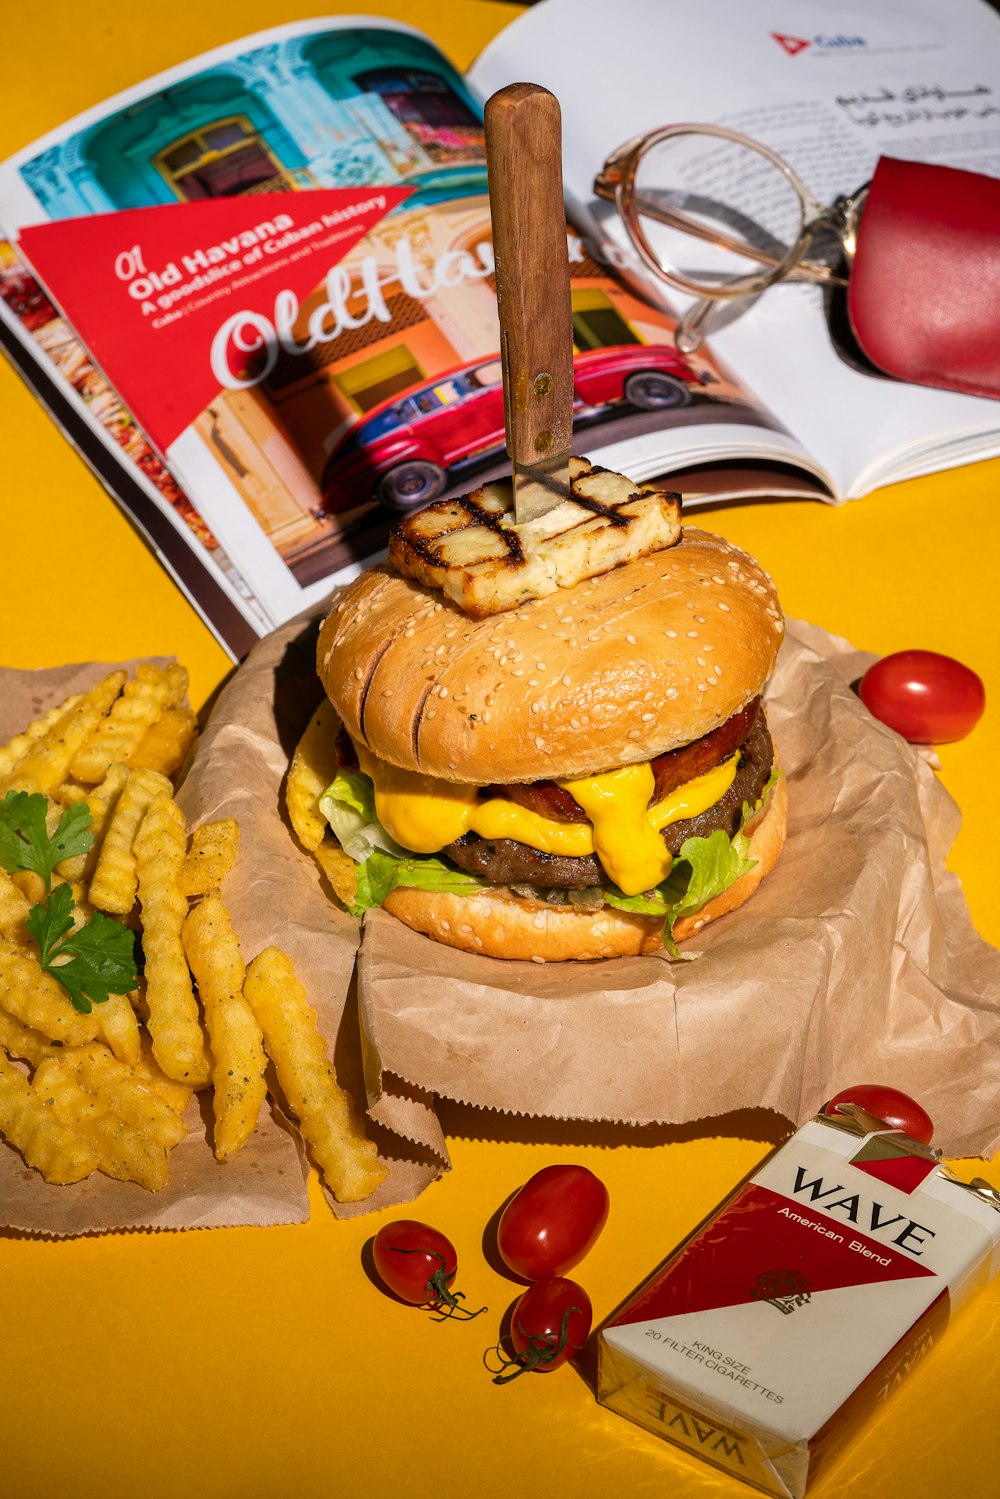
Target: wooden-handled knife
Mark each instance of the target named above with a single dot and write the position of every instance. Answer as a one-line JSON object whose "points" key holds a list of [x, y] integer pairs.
{"points": [[524, 164]]}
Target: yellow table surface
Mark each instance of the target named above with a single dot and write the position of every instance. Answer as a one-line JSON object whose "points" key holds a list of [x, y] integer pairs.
{"points": [[257, 1362]]}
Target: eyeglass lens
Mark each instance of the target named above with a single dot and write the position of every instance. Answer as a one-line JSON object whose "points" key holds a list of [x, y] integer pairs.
{"points": [[715, 213]]}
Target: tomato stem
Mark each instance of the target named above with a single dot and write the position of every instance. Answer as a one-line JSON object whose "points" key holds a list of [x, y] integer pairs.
{"points": [[438, 1293], [539, 1351]]}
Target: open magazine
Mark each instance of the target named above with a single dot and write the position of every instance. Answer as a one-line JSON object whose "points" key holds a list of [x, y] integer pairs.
{"points": [[257, 291]]}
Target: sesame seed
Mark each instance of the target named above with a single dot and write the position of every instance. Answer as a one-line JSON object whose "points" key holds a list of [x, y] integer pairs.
{"points": [[701, 687], [358, 673], [539, 665], [539, 743], [633, 733], [648, 717], [408, 633], [536, 707], [566, 681], [503, 660], [671, 692], [670, 634], [536, 959], [443, 692], [465, 929], [431, 713], [724, 607], [538, 920], [532, 681], [477, 941], [692, 634], [630, 639], [519, 671], [487, 716], [387, 692], [452, 764], [701, 660], [699, 619], [446, 926], [717, 579], [717, 670]]}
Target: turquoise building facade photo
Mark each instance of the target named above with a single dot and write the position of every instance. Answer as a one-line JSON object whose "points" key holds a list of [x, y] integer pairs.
{"points": [[333, 108]]}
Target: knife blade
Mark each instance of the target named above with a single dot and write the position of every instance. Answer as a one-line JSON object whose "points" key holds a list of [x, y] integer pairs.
{"points": [[524, 166]]}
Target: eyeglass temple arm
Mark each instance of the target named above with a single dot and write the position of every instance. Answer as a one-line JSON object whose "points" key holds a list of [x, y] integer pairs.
{"points": [[807, 270]]}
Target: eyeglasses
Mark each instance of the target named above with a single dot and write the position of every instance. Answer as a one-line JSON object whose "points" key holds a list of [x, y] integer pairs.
{"points": [[722, 217]]}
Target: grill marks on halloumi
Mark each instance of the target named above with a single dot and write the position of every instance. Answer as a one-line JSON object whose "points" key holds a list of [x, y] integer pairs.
{"points": [[471, 550]]}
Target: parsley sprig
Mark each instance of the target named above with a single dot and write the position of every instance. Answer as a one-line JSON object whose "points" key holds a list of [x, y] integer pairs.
{"points": [[98, 959], [25, 842]]}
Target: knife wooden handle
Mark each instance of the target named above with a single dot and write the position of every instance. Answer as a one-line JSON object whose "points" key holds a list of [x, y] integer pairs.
{"points": [[524, 164]]}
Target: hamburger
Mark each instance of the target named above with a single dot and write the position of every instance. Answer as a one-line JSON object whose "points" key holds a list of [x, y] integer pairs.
{"points": [[588, 773]]}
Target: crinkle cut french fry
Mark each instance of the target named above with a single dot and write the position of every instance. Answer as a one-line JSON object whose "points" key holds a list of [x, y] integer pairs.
{"points": [[313, 767], [15, 749], [35, 998], [347, 1158], [58, 1152], [339, 868], [174, 1023], [166, 744], [101, 800], [14, 907], [46, 765], [211, 856], [238, 1060], [177, 1095], [113, 884], [30, 884], [23, 1041], [119, 1028], [119, 735], [123, 1152], [122, 1089]]}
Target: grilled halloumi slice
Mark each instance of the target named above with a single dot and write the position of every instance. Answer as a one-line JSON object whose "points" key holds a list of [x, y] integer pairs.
{"points": [[474, 553]]}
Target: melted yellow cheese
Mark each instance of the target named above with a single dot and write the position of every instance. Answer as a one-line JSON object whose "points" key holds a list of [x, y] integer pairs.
{"points": [[425, 814]]}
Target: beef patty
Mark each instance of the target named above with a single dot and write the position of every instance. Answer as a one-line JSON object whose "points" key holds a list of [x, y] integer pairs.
{"points": [[504, 861]]}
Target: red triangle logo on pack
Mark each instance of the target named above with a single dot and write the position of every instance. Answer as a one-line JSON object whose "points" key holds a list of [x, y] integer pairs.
{"points": [[791, 44], [177, 301]]}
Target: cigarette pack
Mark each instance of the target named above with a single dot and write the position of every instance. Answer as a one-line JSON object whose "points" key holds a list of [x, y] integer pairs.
{"points": [[790, 1315]]}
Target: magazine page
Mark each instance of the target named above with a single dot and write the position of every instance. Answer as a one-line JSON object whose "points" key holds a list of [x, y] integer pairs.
{"points": [[830, 85], [45, 349], [278, 256]]}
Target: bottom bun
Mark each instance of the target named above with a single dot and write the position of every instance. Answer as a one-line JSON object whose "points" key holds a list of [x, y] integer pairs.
{"points": [[500, 925]]}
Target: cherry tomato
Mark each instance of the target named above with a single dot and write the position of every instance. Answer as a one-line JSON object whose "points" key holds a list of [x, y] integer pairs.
{"points": [[897, 1110], [929, 699], [550, 1323], [552, 1222], [419, 1264]]}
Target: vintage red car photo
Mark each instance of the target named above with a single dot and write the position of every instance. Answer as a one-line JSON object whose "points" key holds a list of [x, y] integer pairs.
{"points": [[409, 450]]}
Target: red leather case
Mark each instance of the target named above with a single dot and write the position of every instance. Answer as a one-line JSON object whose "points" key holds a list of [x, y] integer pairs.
{"points": [[924, 292]]}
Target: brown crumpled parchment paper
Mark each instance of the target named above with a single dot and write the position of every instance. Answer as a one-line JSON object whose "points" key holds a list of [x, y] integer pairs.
{"points": [[855, 961]]}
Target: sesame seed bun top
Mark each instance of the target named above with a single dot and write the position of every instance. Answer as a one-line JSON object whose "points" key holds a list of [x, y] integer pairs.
{"points": [[642, 659]]}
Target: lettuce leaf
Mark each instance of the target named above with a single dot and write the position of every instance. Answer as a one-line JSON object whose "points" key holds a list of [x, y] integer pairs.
{"points": [[382, 872], [348, 804]]}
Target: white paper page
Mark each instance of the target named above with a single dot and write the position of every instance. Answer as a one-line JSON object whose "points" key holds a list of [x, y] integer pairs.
{"points": [[829, 85]]}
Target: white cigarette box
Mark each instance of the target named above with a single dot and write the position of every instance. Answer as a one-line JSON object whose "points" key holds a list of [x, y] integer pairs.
{"points": [[796, 1309]]}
